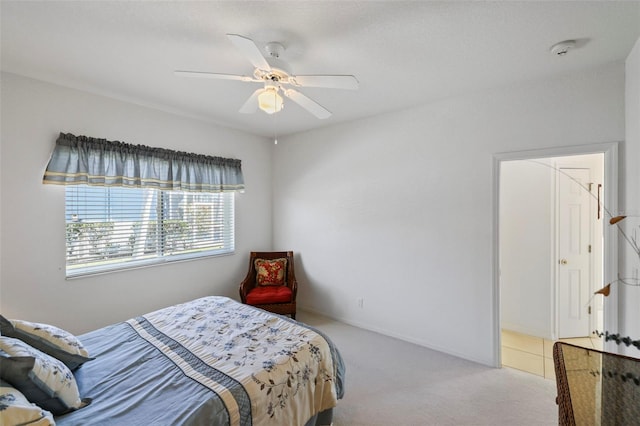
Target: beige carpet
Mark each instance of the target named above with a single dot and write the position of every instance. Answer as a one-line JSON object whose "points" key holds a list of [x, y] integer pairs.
{"points": [[392, 382]]}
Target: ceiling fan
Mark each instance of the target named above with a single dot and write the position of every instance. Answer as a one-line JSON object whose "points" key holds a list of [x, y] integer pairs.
{"points": [[277, 78]]}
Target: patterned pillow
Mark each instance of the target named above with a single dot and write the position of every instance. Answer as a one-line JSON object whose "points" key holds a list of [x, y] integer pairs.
{"points": [[270, 271], [15, 409], [51, 340], [44, 380]]}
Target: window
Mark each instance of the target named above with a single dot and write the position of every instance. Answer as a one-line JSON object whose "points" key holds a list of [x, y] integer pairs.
{"points": [[125, 206], [110, 228]]}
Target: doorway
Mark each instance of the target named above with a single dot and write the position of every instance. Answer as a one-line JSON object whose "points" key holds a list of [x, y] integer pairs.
{"points": [[537, 294]]}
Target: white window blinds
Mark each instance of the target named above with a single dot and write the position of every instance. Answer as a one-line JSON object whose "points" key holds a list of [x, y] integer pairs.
{"points": [[111, 228]]}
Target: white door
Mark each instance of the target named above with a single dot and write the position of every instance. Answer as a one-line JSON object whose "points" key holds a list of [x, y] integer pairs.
{"points": [[574, 240]]}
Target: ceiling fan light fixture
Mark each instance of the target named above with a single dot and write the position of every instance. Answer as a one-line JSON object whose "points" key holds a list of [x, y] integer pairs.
{"points": [[270, 101], [277, 77]]}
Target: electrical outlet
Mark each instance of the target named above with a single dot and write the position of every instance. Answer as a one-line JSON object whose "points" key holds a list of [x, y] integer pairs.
{"points": [[360, 302]]}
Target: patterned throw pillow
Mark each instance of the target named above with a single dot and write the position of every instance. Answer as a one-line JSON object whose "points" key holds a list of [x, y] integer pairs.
{"points": [[271, 271], [51, 340], [15, 409], [44, 380]]}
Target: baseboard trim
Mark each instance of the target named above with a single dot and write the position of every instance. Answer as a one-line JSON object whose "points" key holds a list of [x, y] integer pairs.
{"points": [[419, 342]]}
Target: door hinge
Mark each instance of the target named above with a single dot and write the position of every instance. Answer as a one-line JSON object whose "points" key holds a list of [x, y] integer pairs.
{"points": [[589, 248], [589, 310]]}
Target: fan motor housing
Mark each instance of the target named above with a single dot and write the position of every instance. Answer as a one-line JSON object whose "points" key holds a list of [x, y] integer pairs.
{"points": [[275, 74]]}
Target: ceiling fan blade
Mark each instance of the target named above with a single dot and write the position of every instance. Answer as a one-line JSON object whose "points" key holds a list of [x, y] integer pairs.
{"points": [[250, 50], [328, 81], [251, 105], [202, 74], [307, 103]]}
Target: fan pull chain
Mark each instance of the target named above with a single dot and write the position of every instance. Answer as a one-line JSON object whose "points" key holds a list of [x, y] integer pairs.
{"points": [[275, 119], [275, 131]]}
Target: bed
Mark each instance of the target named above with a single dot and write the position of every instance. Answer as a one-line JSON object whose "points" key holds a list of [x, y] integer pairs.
{"points": [[210, 361]]}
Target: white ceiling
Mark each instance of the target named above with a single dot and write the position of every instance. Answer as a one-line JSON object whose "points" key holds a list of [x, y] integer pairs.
{"points": [[404, 53]]}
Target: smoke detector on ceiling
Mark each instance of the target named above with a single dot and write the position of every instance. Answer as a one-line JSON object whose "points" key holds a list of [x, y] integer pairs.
{"points": [[561, 49]]}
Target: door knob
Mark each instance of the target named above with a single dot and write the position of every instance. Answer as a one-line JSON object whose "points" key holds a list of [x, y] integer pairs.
{"points": [[563, 261]]}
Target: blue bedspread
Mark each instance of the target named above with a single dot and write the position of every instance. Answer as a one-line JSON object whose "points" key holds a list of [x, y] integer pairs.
{"points": [[211, 361]]}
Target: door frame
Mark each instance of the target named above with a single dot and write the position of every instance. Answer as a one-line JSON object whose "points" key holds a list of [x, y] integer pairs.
{"points": [[610, 243]]}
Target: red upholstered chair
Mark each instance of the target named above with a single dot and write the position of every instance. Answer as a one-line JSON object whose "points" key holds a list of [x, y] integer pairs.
{"points": [[271, 283]]}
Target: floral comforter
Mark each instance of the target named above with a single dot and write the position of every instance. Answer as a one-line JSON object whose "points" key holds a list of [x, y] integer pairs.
{"points": [[208, 361]]}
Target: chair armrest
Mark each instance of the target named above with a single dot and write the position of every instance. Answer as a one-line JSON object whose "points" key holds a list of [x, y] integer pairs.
{"points": [[292, 283], [246, 286]]}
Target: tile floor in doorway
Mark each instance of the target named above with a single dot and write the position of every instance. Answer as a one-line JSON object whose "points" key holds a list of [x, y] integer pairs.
{"points": [[534, 354]]}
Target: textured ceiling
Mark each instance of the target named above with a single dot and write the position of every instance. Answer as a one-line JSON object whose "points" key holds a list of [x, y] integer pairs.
{"points": [[403, 53]]}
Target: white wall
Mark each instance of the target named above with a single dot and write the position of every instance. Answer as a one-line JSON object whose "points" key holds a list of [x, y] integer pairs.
{"points": [[526, 231], [397, 208], [630, 198], [32, 280]]}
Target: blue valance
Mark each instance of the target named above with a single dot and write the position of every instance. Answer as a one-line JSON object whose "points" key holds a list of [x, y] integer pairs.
{"points": [[83, 160]]}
